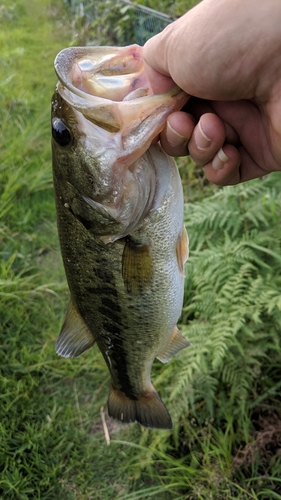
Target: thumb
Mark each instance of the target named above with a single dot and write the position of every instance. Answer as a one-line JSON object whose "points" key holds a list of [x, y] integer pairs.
{"points": [[155, 68]]}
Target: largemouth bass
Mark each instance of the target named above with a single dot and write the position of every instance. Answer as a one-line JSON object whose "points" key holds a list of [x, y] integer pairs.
{"points": [[119, 206]]}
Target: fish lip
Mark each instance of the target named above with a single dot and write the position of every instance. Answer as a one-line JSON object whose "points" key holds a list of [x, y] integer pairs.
{"points": [[68, 57], [100, 94]]}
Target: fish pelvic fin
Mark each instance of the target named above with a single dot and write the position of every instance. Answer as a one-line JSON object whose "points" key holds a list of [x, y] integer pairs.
{"points": [[75, 337], [175, 344], [147, 409]]}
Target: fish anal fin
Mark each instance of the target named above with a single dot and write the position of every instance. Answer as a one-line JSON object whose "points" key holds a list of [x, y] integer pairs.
{"points": [[182, 249], [137, 266], [75, 337], [174, 345], [147, 409]]}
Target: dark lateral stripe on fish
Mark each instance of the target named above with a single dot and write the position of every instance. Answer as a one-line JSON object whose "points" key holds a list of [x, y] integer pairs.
{"points": [[119, 358], [107, 302], [102, 290], [102, 273], [110, 314], [109, 309], [112, 329], [113, 324]]}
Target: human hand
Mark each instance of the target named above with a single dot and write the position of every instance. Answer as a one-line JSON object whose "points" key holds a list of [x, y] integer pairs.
{"points": [[227, 55]]}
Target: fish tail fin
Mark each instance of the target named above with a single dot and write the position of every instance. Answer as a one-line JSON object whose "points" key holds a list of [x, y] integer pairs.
{"points": [[147, 409]]}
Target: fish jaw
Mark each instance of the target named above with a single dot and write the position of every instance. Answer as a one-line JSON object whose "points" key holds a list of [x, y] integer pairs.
{"points": [[104, 84], [109, 72]]}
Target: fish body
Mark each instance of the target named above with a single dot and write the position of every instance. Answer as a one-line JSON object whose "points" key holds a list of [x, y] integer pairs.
{"points": [[119, 207]]}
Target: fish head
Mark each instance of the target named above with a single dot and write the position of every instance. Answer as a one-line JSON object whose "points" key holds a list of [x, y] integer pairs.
{"points": [[104, 119], [76, 144]]}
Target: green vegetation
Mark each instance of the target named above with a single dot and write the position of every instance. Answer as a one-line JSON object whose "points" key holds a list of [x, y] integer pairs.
{"points": [[223, 392], [173, 8], [114, 22]]}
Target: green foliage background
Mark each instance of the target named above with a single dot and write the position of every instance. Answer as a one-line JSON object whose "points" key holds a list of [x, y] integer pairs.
{"points": [[223, 392], [113, 22]]}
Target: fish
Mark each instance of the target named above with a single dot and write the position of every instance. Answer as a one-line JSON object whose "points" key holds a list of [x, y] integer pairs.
{"points": [[119, 204]]}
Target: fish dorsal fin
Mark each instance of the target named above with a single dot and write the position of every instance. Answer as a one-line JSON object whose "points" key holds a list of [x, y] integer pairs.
{"points": [[175, 344], [182, 250], [75, 337], [137, 266]]}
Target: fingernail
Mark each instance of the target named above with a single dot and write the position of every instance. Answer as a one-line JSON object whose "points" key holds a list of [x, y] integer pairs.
{"points": [[202, 140], [175, 139], [219, 160]]}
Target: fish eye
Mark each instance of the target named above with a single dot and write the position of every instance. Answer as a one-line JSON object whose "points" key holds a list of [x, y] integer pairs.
{"points": [[60, 132]]}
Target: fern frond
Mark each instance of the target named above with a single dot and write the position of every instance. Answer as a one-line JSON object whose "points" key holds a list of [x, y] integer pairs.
{"points": [[232, 306]]}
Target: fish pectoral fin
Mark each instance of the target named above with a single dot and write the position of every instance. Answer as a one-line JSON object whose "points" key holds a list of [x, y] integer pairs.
{"points": [[137, 266], [174, 345], [147, 409], [75, 337], [182, 249]]}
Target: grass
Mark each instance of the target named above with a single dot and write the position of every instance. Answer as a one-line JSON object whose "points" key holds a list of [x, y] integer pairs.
{"points": [[52, 443]]}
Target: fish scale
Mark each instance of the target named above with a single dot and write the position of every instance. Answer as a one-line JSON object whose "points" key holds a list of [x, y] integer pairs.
{"points": [[119, 205]]}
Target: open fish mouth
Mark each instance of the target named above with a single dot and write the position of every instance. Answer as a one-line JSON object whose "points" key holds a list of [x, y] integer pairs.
{"points": [[110, 87], [108, 72]]}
